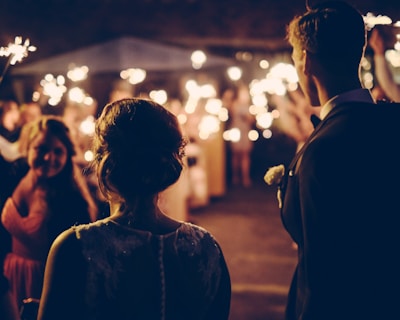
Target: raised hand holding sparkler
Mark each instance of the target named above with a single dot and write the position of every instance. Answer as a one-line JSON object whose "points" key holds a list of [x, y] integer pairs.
{"points": [[15, 52]]}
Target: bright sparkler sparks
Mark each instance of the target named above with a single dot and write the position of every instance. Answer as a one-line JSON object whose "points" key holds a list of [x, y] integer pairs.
{"points": [[17, 51]]}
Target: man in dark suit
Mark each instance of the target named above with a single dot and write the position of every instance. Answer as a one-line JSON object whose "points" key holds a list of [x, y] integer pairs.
{"points": [[341, 193]]}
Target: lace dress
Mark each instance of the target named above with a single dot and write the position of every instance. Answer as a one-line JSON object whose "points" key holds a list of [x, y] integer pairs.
{"points": [[134, 274]]}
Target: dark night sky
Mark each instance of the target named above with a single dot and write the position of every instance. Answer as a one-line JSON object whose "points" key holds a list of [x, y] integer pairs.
{"points": [[222, 26]]}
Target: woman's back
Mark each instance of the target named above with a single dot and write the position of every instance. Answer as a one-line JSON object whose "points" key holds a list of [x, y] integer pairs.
{"points": [[134, 274], [138, 263]]}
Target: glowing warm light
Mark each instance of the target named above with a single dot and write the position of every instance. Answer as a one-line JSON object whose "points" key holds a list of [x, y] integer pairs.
{"points": [[78, 73], [198, 59], [275, 86], [259, 100], [257, 87], [76, 94], [213, 106], [133, 75], [232, 135], [234, 73], [88, 155], [253, 135], [264, 120], [191, 85], [244, 56], [397, 46], [17, 51], [285, 72], [196, 91], [367, 76], [208, 125], [254, 109], [393, 56], [371, 20], [208, 91], [54, 88], [36, 96], [293, 86], [267, 134], [87, 126], [191, 104], [159, 96], [264, 64], [223, 115], [275, 114], [88, 101], [182, 118], [366, 64]]}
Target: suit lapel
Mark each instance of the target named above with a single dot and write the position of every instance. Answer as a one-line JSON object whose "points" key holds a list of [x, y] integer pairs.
{"points": [[334, 112]]}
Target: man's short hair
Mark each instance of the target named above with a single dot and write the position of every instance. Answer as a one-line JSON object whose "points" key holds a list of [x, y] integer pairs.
{"points": [[334, 31]]}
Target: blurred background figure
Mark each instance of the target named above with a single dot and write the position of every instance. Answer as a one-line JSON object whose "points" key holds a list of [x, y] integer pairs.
{"points": [[238, 101], [44, 194], [29, 112], [295, 114], [9, 120], [9, 129], [8, 307], [174, 200], [385, 77]]}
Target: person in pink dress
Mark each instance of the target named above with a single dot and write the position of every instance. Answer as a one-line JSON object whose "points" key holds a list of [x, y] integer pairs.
{"points": [[48, 199]]}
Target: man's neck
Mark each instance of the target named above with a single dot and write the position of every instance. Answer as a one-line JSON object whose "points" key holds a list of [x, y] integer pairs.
{"points": [[327, 91]]}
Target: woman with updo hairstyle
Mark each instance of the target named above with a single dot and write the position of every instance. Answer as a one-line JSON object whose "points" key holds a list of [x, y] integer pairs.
{"points": [[45, 197], [138, 263]]}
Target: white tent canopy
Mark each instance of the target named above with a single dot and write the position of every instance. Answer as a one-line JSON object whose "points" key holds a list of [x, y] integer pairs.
{"points": [[117, 55]]}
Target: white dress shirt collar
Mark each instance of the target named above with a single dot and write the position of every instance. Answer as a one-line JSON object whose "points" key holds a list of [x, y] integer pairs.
{"points": [[357, 95]]}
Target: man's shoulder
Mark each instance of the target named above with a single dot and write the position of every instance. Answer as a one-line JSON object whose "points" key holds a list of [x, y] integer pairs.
{"points": [[380, 108]]}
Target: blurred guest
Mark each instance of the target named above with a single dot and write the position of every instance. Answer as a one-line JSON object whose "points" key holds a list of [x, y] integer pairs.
{"points": [[9, 120], [242, 122], [295, 113], [29, 112], [11, 151], [8, 305], [382, 71], [174, 200], [51, 197], [138, 263]]}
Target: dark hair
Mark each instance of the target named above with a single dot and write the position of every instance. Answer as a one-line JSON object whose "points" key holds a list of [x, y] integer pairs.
{"points": [[334, 31], [68, 196], [138, 148]]}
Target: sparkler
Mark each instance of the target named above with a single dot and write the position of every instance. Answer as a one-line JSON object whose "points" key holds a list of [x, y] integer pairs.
{"points": [[15, 52]]}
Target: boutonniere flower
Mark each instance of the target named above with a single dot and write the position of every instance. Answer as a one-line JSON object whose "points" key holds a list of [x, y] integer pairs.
{"points": [[274, 176]]}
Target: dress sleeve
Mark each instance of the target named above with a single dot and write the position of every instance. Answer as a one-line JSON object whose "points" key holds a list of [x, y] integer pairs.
{"points": [[63, 287], [220, 307]]}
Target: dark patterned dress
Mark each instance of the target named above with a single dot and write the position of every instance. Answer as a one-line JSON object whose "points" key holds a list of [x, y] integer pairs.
{"points": [[134, 274]]}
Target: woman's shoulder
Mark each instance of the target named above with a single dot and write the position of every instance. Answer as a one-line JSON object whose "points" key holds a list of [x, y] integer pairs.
{"points": [[194, 238], [194, 230]]}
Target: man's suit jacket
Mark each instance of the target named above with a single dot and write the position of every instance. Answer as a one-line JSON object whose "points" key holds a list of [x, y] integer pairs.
{"points": [[341, 206]]}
